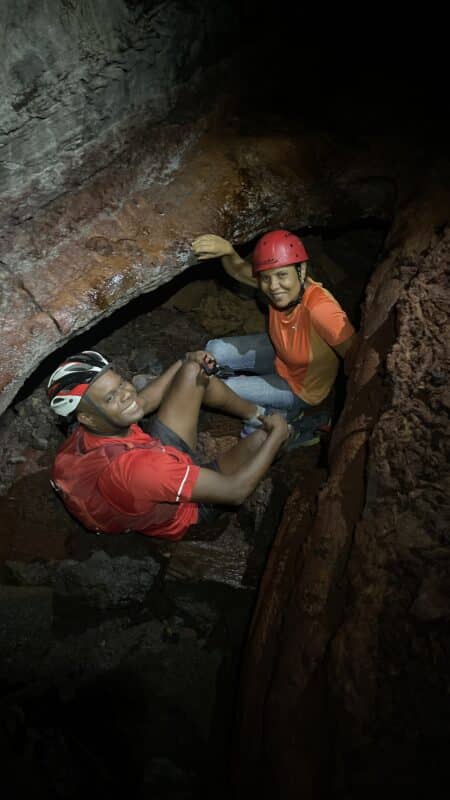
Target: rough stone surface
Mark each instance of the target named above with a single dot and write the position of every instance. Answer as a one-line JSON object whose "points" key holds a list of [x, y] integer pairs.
{"points": [[25, 615], [344, 685], [76, 77], [129, 230], [101, 581], [224, 560]]}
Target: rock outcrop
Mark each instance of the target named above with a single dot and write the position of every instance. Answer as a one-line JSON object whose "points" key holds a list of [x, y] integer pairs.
{"points": [[78, 77], [344, 688], [129, 230]]}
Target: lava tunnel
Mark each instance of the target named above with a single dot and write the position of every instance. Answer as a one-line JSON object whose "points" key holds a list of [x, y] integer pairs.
{"points": [[298, 645]]}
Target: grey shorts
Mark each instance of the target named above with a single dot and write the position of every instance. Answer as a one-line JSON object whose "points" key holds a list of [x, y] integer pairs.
{"points": [[206, 512]]}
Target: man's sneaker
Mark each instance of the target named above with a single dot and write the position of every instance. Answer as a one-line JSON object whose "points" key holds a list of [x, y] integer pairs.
{"points": [[292, 417], [301, 438], [297, 438]]}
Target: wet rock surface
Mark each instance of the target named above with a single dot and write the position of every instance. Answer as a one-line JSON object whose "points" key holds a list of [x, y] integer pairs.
{"points": [[345, 678], [77, 77], [129, 229]]}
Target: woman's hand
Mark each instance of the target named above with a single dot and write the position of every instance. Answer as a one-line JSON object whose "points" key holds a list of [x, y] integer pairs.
{"points": [[211, 246]]}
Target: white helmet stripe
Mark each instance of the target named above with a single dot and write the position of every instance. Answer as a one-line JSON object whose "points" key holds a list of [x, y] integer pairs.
{"points": [[64, 405], [68, 368], [80, 370]]}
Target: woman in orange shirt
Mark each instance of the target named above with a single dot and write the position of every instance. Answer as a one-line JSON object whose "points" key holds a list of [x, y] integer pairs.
{"points": [[296, 363]]}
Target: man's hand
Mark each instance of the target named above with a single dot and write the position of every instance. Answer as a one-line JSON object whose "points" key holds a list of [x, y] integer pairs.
{"points": [[211, 246], [201, 357], [232, 487], [275, 423]]}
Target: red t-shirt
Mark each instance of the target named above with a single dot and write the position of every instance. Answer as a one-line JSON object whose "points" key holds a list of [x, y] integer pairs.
{"points": [[146, 490]]}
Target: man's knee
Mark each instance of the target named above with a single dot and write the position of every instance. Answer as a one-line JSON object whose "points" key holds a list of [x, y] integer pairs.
{"points": [[192, 374], [189, 370]]}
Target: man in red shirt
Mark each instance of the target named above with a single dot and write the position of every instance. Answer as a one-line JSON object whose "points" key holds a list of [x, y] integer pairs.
{"points": [[114, 477]]}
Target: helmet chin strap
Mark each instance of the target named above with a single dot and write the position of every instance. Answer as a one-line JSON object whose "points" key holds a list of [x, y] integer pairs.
{"points": [[301, 272]]}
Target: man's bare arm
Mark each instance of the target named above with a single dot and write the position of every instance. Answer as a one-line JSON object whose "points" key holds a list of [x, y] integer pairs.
{"points": [[214, 487], [153, 394], [212, 246]]}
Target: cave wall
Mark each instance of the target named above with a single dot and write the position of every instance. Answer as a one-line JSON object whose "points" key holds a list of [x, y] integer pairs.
{"points": [[344, 687], [129, 229], [86, 87], [345, 660], [122, 140], [76, 76]]}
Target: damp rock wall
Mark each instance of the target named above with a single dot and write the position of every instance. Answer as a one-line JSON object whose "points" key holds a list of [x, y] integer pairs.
{"points": [[129, 229], [121, 140], [76, 77], [344, 688]]}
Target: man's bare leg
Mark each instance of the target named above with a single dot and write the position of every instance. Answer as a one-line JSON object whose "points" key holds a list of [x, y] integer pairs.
{"points": [[190, 388], [218, 395]]}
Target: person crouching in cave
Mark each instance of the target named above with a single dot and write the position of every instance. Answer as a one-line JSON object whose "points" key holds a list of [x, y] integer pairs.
{"points": [[295, 365], [114, 478]]}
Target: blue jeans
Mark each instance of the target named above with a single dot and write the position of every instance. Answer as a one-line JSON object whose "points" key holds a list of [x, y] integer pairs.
{"points": [[266, 388]]}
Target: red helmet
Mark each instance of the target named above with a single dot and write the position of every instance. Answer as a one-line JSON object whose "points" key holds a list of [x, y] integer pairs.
{"points": [[278, 249]]}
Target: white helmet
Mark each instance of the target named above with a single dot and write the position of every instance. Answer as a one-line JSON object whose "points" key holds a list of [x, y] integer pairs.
{"points": [[71, 380]]}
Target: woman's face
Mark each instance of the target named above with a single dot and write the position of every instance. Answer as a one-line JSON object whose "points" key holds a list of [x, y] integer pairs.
{"points": [[281, 285]]}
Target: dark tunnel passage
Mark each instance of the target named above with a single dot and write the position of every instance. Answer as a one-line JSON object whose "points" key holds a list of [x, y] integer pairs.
{"points": [[298, 645]]}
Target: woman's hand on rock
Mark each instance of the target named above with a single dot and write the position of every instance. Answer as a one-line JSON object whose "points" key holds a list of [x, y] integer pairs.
{"points": [[211, 246]]}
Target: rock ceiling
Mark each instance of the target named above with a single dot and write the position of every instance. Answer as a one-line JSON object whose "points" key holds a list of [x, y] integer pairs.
{"points": [[128, 230]]}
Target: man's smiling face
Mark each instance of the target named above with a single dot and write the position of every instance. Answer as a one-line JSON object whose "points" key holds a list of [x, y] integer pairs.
{"points": [[117, 401]]}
